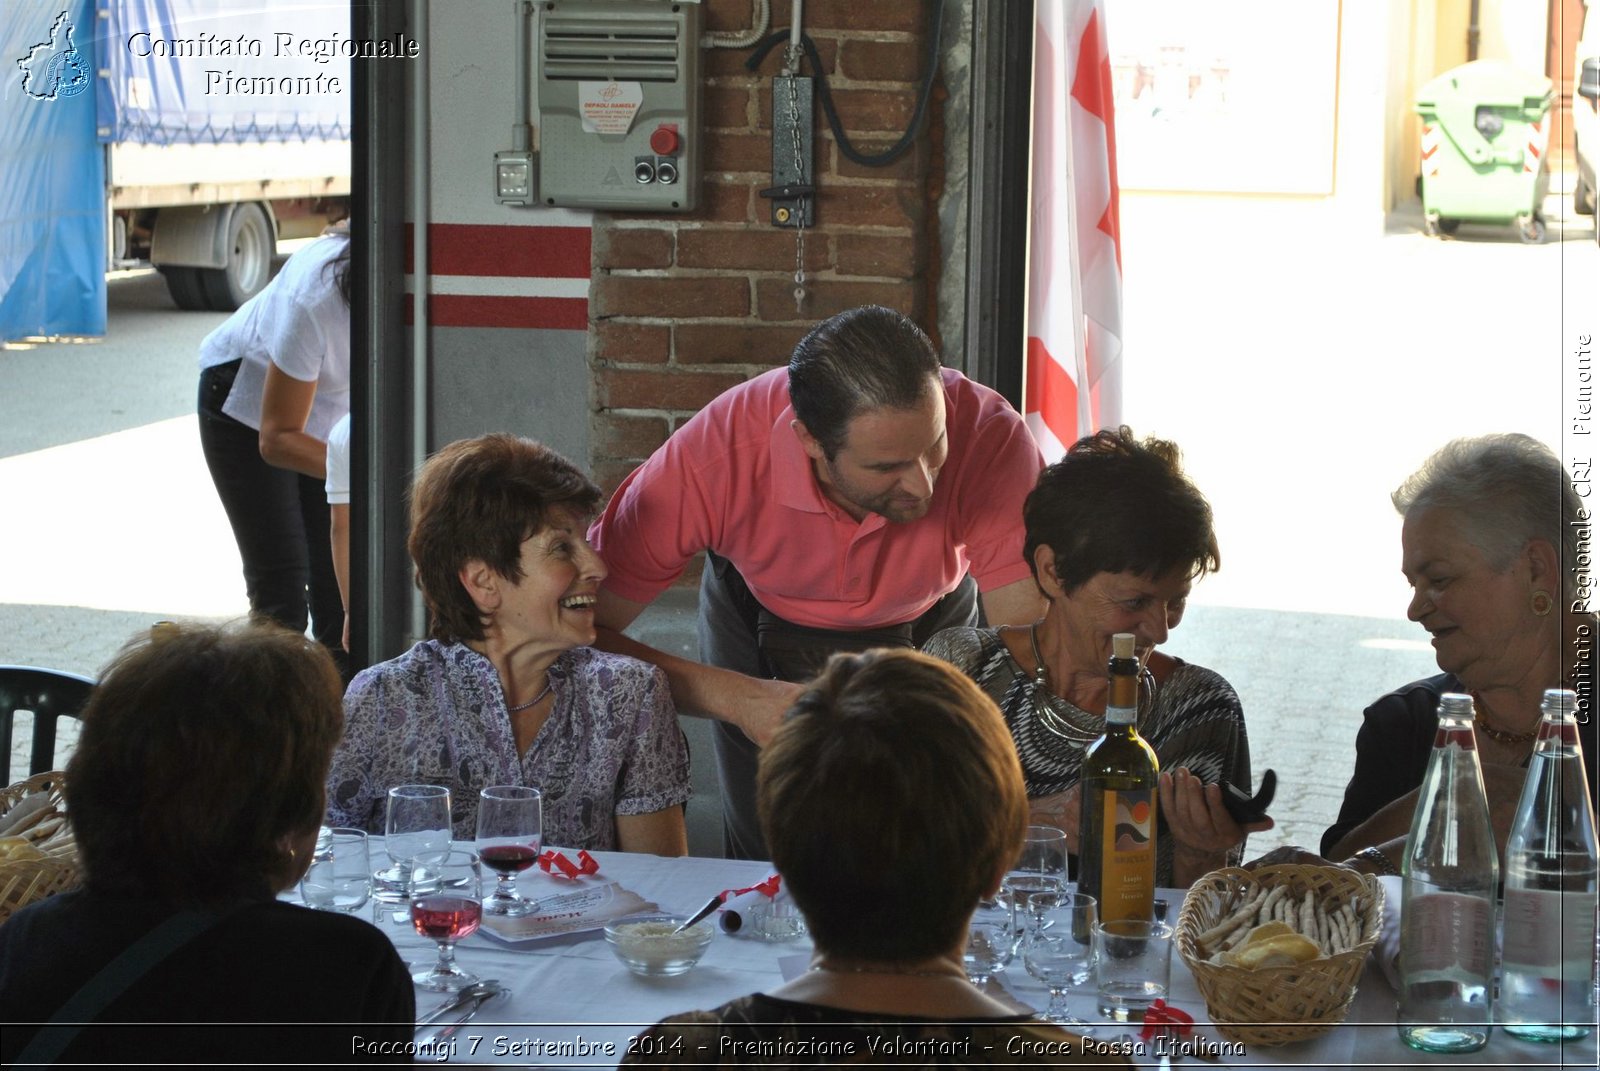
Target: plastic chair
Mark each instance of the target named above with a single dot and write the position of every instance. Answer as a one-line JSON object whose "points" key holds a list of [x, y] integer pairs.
{"points": [[51, 695]]}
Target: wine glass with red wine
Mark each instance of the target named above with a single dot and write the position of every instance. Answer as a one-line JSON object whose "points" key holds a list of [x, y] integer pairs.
{"points": [[447, 912], [510, 831]]}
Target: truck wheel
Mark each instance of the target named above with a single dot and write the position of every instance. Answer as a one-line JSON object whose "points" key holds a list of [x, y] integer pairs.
{"points": [[185, 287], [250, 248]]}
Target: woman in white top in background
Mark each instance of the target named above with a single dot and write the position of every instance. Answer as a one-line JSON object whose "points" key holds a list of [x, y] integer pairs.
{"points": [[274, 378], [338, 488]]}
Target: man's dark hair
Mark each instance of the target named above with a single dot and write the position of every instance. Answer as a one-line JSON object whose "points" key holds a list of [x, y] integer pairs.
{"points": [[862, 359]]}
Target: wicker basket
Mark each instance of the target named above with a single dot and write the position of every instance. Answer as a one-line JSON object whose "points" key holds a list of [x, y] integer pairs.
{"points": [[1278, 1005], [22, 881]]}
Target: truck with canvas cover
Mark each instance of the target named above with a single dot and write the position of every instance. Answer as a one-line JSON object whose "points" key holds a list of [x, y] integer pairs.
{"points": [[189, 134]]}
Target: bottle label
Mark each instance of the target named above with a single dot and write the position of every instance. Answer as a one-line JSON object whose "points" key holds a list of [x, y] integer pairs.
{"points": [[1446, 933], [1548, 931], [1128, 868]]}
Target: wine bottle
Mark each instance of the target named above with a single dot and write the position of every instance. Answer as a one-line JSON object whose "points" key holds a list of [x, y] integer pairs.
{"points": [[1548, 934], [1117, 816], [1449, 874]]}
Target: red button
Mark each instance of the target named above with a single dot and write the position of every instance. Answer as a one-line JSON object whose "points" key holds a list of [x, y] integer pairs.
{"points": [[664, 142]]}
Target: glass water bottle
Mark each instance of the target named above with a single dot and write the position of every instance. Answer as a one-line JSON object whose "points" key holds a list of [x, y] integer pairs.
{"points": [[1447, 908], [1548, 935]]}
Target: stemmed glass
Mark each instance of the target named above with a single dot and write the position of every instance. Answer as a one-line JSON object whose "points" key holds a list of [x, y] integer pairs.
{"points": [[510, 831], [417, 823], [1041, 868], [1058, 951], [447, 911]]}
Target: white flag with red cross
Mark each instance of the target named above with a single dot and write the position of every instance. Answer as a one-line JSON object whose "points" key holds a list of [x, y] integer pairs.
{"points": [[1074, 360]]}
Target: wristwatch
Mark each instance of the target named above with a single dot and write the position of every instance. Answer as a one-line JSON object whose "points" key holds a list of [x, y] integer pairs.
{"points": [[1379, 862]]}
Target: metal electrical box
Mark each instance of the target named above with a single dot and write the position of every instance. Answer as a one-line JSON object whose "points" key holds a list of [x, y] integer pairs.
{"points": [[619, 104]]}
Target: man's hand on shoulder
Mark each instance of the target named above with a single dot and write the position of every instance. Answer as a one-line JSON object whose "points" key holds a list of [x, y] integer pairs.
{"points": [[763, 710]]}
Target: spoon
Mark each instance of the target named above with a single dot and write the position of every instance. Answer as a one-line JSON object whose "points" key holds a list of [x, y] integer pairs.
{"points": [[711, 905]]}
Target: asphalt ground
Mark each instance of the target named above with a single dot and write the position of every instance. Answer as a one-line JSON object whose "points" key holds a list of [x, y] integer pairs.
{"points": [[1304, 363]]}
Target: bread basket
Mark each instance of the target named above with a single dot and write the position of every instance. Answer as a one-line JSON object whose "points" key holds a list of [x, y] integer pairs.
{"points": [[23, 881], [1279, 1005]]}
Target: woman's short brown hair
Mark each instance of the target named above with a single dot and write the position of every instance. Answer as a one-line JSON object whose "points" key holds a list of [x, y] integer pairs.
{"points": [[202, 747], [1115, 504], [891, 799], [481, 499]]}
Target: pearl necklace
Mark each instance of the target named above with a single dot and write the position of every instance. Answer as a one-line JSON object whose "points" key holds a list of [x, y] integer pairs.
{"points": [[520, 707]]}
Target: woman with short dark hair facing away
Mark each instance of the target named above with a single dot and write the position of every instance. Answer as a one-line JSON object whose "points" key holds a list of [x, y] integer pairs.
{"points": [[892, 801], [195, 793]]}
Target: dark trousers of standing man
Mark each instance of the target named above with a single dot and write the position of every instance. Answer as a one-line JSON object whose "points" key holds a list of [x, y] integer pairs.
{"points": [[738, 633], [279, 519]]}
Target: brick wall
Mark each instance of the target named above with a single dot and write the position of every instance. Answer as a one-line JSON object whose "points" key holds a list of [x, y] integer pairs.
{"points": [[684, 306]]}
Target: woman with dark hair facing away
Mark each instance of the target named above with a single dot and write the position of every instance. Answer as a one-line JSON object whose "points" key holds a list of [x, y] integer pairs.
{"points": [[195, 795], [892, 802], [1116, 537], [274, 378], [1495, 547], [507, 690]]}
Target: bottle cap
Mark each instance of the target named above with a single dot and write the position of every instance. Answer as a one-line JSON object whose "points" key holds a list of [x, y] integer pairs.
{"points": [[1122, 645], [1559, 700]]}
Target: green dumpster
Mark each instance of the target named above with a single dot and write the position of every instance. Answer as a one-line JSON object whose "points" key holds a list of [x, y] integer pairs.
{"points": [[1485, 127]]}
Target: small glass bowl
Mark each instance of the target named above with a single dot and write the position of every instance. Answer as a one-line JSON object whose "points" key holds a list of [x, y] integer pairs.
{"points": [[647, 946]]}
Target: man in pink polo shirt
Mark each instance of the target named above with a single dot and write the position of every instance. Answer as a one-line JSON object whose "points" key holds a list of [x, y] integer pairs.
{"points": [[863, 497]]}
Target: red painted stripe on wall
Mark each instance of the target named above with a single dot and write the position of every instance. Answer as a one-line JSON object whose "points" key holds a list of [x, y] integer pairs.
{"points": [[488, 249], [467, 310]]}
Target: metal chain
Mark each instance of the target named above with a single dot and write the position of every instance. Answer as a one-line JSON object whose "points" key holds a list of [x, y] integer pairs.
{"points": [[792, 69]]}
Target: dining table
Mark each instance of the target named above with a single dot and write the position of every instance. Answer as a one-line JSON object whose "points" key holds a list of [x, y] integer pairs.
{"points": [[569, 1002]]}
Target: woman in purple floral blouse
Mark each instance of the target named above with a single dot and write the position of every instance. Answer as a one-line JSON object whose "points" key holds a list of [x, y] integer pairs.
{"points": [[506, 690]]}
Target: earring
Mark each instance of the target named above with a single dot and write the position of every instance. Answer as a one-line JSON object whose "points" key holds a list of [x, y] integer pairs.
{"points": [[1542, 603]]}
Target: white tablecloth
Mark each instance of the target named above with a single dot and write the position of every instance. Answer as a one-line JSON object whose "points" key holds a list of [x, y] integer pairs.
{"points": [[571, 1003]]}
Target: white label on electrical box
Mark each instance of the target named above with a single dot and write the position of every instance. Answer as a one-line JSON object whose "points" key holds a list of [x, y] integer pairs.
{"points": [[609, 107]]}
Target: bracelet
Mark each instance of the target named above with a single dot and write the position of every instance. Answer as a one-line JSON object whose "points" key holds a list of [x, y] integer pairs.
{"points": [[1380, 862]]}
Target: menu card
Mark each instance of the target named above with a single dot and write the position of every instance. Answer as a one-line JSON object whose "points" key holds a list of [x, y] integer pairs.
{"points": [[583, 909]]}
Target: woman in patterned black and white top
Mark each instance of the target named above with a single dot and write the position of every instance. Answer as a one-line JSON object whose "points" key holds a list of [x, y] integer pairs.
{"points": [[507, 690], [1116, 537]]}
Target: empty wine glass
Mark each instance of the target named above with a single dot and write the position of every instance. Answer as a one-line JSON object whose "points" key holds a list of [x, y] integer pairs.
{"points": [[990, 939], [340, 875], [446, 911], [1058, 949], [417, 823], [510, 829], [1041, 868]]}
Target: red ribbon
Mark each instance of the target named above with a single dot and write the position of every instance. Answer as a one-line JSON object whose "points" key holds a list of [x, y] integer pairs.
{"points": [[767, 888], [585, 865], [1160, 1018]]}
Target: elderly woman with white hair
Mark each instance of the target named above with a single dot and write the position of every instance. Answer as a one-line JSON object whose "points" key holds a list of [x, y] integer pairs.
{"points": [[1495, 547]]}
